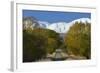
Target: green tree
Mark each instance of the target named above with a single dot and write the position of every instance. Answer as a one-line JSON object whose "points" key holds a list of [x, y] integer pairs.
{"points": [[33, 47], [38, 43], [52, 38]]}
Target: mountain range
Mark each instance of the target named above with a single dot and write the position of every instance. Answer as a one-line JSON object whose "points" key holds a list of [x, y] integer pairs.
{"points": [[61, 27]]}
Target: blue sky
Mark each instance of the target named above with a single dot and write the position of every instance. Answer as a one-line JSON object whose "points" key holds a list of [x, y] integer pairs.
{"points": [[55, 16]]}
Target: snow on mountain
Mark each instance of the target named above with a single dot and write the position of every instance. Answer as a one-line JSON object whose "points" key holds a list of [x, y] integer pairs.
{"points": [[58, 27], [43, 24], [82, 20], [63, 27]]}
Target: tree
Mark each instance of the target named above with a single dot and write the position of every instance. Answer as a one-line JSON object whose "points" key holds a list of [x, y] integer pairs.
{"points": [[38, 43], [52, 38], [33, 47], [78, 39]]}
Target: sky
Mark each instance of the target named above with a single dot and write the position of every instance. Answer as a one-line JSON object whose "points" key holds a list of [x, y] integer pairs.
{"points": [[55, 16]]}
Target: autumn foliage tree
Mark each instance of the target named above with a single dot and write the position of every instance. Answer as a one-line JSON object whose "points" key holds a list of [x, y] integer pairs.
{"points": [[78, 39]]}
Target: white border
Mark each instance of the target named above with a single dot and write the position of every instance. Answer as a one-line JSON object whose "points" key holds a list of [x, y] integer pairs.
{"points": [[17, 38]]}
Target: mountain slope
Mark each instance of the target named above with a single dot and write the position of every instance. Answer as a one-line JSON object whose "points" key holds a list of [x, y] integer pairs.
{"points": [[43, 24], [63, 27]]}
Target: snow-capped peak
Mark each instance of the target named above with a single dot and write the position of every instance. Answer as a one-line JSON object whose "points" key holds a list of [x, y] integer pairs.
{"points": [[58, 27], [84, 20], [63, 27], [43, 24]]}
